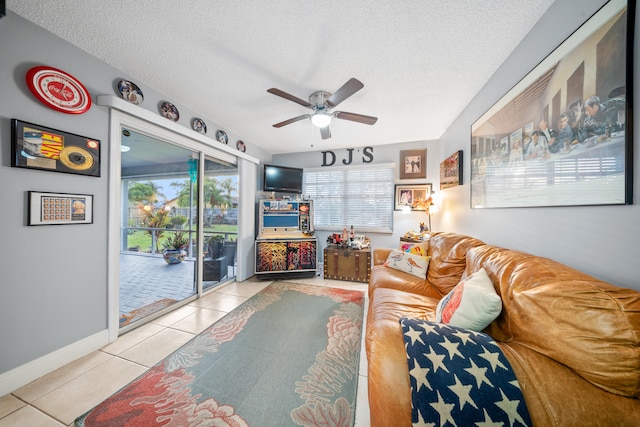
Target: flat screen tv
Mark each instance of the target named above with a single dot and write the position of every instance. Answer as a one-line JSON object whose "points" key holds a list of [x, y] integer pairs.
{"points": [[282, 179]]}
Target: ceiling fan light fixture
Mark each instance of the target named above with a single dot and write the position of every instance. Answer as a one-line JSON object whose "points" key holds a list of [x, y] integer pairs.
{"points": [[321, 119]]}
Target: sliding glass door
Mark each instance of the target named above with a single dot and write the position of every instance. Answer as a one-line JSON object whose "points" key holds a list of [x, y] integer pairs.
{"points": [[159, 188], [175, 221], [220, 221]]}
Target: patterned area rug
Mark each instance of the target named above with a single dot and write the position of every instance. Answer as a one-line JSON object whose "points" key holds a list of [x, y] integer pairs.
{"points": [[148, 309], [289, 356]]}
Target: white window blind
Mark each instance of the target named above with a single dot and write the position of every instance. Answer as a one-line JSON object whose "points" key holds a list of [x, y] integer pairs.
{"points": [[359, 196]]}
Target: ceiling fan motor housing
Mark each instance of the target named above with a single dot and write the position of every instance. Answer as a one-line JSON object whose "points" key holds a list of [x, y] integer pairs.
{"points": [[318, 99]]}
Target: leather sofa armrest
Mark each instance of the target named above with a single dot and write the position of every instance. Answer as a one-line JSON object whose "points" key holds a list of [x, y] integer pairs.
{"points": [[380, 255]]}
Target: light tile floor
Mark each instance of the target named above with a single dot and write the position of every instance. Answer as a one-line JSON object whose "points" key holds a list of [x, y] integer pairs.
{"points": [[62, 395]]}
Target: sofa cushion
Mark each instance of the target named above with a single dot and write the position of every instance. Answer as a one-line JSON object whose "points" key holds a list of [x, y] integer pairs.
{"points": [[448, 253], [557, 396], [386, 277], [408, 262], [388, 376], [586, 324], [460, 377], [472, 304]]}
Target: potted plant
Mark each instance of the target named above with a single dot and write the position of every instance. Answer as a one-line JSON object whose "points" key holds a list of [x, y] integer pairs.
{"points": [[178, 221], [174, 247], [215, 244], [155, 220]]}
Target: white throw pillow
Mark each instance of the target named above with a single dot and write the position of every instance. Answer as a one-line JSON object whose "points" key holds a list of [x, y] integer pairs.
{"points": [[472, 304], [409, 263]]}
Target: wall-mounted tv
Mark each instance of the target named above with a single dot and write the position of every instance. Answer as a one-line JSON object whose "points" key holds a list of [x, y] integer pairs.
{"points": [[282, 179]]}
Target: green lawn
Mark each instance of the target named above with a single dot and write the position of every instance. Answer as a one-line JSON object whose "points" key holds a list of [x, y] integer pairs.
{"points": [[142, 239]]}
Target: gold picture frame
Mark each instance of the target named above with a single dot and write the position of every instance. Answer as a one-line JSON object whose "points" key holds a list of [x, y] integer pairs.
{"points": [[39, 147]]}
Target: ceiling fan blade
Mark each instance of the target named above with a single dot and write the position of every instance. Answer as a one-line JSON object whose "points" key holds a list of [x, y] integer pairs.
{"points": [[325, 132], [290, 97], [293, 120], [360, 118], [347, 89]]}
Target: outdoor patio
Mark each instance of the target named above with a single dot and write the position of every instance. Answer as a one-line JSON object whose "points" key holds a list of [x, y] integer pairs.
{"points": [[146, 278]]}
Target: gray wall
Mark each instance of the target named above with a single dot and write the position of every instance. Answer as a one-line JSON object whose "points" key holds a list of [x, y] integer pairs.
{"points": [[54, 278], [603, 241], [381, 154]]}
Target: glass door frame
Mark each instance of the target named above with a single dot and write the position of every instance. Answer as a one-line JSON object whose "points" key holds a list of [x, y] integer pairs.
{"points": [[180, 162], [119, 120]]}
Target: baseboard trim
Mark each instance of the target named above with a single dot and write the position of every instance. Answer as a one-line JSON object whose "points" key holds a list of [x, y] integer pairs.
{"points": [[24, 374]]}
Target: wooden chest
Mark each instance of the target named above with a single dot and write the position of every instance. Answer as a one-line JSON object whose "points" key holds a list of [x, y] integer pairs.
{"points": [[347, 264]]}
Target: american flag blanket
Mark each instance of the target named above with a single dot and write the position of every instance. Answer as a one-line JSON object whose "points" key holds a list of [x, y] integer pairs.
{"points": [[460, 378]]}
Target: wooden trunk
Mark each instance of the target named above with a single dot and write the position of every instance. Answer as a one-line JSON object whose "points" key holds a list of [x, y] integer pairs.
{"points": [[347, 264]]}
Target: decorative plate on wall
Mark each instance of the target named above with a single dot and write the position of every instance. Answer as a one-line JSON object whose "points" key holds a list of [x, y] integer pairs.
{"points": [[222, 136], [58, 90], [199, 125], [240, 145], [130, 92], [169, 111]]}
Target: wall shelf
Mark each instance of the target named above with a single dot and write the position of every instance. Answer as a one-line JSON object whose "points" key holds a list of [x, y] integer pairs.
{"points": [[120, 104]]}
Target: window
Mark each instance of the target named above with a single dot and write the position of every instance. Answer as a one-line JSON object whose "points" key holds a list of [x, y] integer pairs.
{"points": [[358, 196]]}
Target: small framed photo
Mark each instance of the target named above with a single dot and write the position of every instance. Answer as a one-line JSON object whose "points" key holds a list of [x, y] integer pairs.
{"points": [[413, 164], [414, 196], [59, 208], [451, 171]]}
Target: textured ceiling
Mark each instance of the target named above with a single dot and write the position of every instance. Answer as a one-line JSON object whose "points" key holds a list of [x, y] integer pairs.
{"points": [[421, 61]]}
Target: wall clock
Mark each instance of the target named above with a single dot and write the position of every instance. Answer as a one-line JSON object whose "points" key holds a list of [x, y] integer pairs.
{"points": [[58, 90]]}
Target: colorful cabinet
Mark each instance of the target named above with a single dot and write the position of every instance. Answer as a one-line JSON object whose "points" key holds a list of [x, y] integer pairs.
{"points": [[285, 255], [286, 246]]}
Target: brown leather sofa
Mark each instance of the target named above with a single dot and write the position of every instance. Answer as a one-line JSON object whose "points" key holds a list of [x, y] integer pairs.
{"points": [[573, 341]]}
